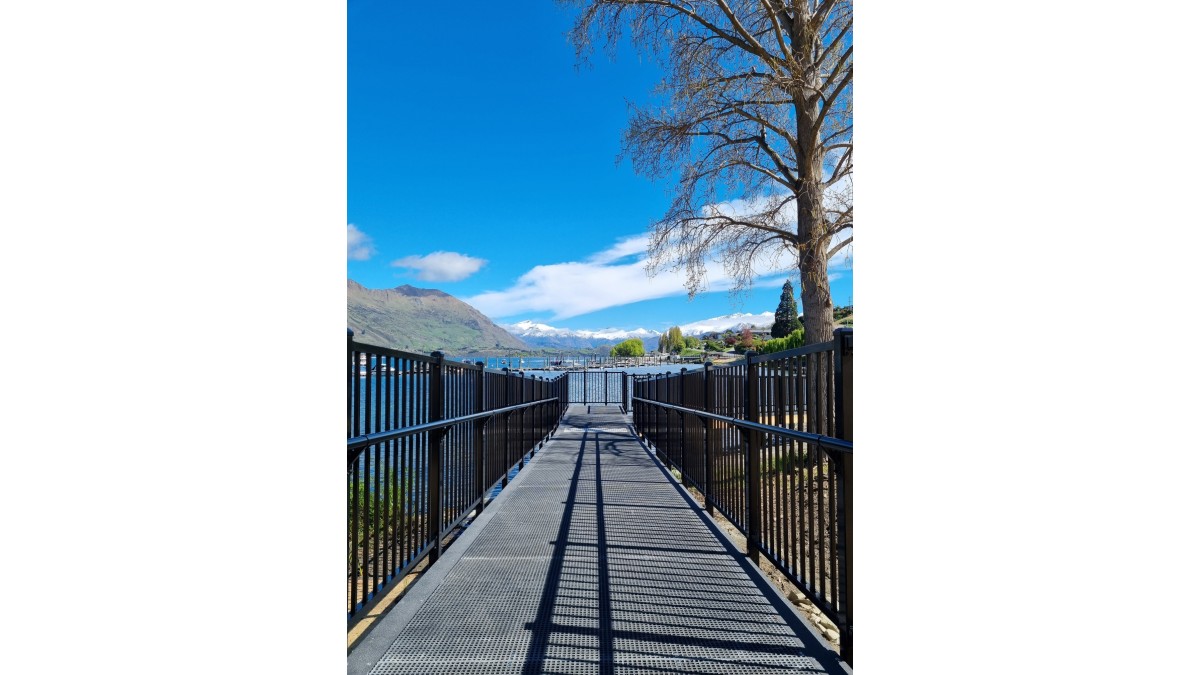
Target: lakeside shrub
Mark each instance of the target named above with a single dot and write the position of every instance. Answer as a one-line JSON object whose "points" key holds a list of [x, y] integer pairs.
{"points": [[630, 347], [792, 341]]}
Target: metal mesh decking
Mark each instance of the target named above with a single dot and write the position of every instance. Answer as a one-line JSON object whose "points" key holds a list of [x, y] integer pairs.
{"points": [[591, 562]]}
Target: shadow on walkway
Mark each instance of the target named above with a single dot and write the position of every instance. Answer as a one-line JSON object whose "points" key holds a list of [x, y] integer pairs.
{"points": [[593, 561]]}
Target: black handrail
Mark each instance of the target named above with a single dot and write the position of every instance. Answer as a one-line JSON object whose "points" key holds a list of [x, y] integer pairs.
{"points": [[827, 442], [355, 446]]}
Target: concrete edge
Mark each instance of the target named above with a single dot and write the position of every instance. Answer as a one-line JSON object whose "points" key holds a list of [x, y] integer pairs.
{"points": [[371, 648], [828, 656]]}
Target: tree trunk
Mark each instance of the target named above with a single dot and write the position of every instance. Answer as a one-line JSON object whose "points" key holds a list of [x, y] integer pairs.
{"points": [[810, 211], [814, 294]]}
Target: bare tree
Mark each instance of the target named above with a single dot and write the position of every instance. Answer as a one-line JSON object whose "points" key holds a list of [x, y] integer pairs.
{"points": [[755, 113]]}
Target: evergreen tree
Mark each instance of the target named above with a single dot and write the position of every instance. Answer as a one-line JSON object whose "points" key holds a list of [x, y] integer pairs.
{"points": [[786, 317]]}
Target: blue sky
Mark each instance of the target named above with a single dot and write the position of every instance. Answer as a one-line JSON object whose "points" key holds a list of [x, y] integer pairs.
{"points": [[482, 162]]}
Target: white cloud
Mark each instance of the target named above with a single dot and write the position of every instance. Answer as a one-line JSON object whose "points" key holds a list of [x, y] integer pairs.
{"points": [[574, 288], [609, 278], [441, 266], [635, 245], [358, 244]]}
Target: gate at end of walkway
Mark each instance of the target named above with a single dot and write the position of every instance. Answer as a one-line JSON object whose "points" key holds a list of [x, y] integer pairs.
{"points": [[600, 387]]}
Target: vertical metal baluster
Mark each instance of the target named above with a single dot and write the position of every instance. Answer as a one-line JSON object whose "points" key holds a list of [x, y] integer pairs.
{"points": [[829, 392], [373, 478], [480, 481], [844, 429], [353, 554], [385, 448], [436, 406], [421, 501], [827, 361], [523, 443], [721, 470], [357, 426], [793, 364], [824, 577], [753, 463], [777, 473], [709, 437], [822, 470], [808, 458], [507, 447], [407, 484], [351, 531], [453, 446], [397, 522], [447, 447]]}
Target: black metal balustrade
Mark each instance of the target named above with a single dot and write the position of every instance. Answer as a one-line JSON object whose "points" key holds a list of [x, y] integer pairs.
{"points": [[427, 440], [768, 443]]}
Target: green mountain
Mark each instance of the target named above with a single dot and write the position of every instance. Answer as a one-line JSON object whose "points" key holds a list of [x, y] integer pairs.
{"points": [[422, 320]]}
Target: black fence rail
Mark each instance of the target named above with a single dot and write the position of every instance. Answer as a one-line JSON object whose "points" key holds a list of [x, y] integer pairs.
{"points": [[427, 440], [606, 387], [768, 443]]}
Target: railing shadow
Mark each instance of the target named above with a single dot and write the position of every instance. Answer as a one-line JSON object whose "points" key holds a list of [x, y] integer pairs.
{"points": [[591, 613]]}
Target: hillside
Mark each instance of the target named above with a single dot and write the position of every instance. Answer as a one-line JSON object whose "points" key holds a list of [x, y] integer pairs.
{"points": [[843, 316], [422, 320]]}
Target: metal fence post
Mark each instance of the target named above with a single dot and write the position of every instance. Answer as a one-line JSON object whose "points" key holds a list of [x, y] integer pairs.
{"points": [[479, 424], [635, 391], [624, 392], [658, 416], [523, 444], [710, 438], [537, 414], [437, 403], [843, 363], [683, 445], [547, 410], [507, 448], [753, 472]]}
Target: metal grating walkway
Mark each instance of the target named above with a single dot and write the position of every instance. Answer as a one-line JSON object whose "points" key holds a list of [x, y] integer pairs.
{"points": [[592, 561]]}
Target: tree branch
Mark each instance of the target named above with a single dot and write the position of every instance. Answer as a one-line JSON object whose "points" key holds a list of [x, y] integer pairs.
{"points": [[831, 252]]}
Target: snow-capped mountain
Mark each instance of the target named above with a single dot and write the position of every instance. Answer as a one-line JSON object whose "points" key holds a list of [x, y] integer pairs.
{"points": [[734, 322], [542, 335]]}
